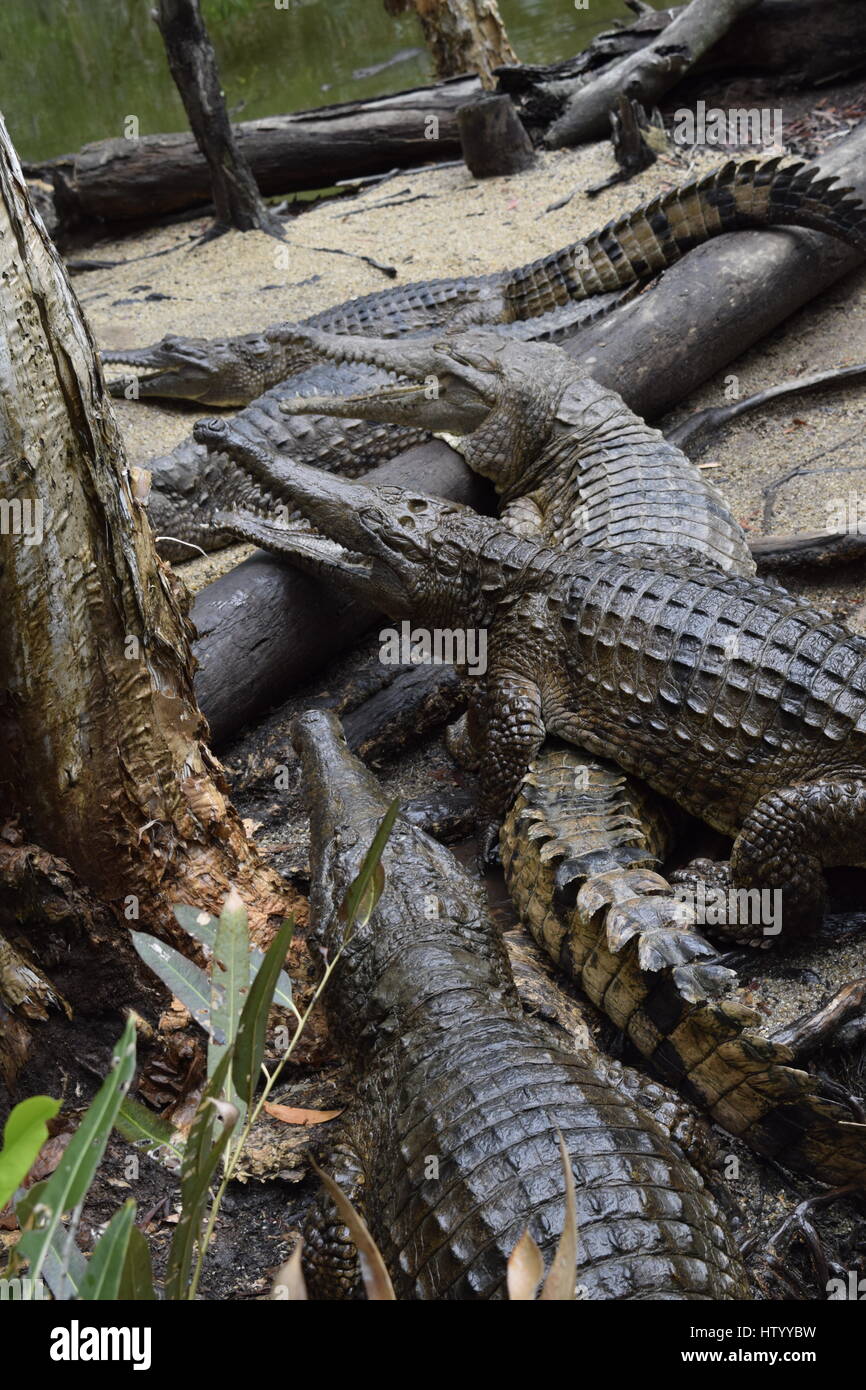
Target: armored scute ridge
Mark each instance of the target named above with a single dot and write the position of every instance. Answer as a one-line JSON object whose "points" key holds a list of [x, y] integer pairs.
{"points": [[755, 193], [453, 1134]]}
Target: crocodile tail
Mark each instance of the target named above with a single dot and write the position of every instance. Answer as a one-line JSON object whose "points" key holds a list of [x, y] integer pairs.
{"points": [[664, 986], [754, 193]]}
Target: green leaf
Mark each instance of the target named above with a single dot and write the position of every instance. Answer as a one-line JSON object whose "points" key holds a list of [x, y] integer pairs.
{"points": [[200, 1161], [366, 890], [136, 1280], [105, 1266], [69, 1183], [186, 980], [204, 928], [25, 1133], [230, 982], [146, 1130], [65, 1266], [252, 1031]]}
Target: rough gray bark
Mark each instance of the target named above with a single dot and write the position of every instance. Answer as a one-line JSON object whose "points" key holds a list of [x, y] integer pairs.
{"points": [[647, 74], [102, 746], [712, 306], [193, 65]]}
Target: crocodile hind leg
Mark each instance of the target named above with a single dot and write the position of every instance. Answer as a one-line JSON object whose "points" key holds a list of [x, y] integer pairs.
{"points": [[780, 848]]}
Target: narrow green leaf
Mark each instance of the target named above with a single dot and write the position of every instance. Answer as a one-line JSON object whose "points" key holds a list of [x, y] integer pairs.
{"points": [[367, 887], [136, 1280], [105, 1266], [25, 1133], [204, 928], [147, 1130], [200, 1160], [186, 980], [65, 1266], [252, 1031], [230, 981], [69, 1183]]}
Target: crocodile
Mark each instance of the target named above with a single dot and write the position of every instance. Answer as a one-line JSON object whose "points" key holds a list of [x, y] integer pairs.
{"points": [[453, 1132], [189, 484], [663, 666], [630, 249]]}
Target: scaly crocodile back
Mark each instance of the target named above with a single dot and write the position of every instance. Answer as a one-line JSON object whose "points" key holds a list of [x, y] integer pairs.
{"points": [[460, 1097], [755, 193]]}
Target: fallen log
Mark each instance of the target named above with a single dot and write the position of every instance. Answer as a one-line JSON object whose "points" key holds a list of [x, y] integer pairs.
{"points": [[119, 179], [717, 302], [805, 42], [265, 628], [647, 74]]}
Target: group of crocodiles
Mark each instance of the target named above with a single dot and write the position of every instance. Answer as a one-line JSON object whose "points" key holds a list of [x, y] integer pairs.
{"points": [[619, 666]]}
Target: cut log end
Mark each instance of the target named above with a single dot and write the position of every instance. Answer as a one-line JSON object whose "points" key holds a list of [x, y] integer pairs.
{"points": [[493, 138]]}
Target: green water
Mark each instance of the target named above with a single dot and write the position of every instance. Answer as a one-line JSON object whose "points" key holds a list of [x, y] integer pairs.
{"points": [[72, 70]]}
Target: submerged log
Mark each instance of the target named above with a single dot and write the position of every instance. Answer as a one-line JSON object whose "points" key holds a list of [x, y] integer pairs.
{"points": [[264, 628], [102, 756], [117, 180]]}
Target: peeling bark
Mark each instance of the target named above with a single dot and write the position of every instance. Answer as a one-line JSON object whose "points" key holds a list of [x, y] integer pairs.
{"points": [[102, 745], [462, 35]]}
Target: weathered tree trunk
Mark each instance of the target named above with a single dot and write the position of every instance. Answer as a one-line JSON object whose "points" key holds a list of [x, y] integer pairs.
{"points": [[102, 745], [463, 35], [257, 637], [648, 74], [193, 65]]}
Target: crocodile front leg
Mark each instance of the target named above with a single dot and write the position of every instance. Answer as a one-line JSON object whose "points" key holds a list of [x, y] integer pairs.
{"points": [[514, 733]]}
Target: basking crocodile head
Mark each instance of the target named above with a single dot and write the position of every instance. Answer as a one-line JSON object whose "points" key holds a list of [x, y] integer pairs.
{"points": [[399, 551], [454, 384], [219, 371]]}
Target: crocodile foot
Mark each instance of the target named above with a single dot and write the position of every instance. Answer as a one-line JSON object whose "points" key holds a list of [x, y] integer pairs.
{"points": [[706, 888], [460, 745]]}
